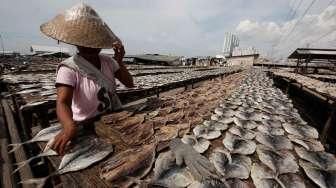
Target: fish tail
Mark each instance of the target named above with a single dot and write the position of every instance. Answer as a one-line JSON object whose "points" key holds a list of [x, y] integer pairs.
{"points": [[22, 164], [39, 182], [14, 147]]}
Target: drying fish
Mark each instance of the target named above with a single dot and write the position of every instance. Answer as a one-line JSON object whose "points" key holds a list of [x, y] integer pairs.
{"points": [[183, 128], [255, 116], [308, 143], [270, 130], [302, 131], [323, 178], [135, 134], [168, 174], [78, 158], [166, 133], [280, 162], [212, 183], [243, 133], [129, 162], [238, 145], [225, 112], [273, 122], [274, 142], [229, 106], [264, 177], [238, 183], [246, 124], [216, 125], [42, 136], [231, 166], [207, 132], [321, 159], [199, 144]]}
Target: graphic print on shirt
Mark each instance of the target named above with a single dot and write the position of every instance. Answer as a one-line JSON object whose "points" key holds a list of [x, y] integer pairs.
{"points": [[104, 100]]}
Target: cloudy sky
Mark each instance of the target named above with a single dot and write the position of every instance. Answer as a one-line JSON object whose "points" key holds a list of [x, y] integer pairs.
{"points": [[184, 27]]}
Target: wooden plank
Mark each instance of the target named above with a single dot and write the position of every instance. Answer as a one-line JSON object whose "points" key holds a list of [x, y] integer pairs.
{"points": [[20, 155], [6, 168]]}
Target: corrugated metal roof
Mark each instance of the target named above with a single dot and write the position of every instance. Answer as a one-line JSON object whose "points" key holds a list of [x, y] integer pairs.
{"points": [[311, 53]]}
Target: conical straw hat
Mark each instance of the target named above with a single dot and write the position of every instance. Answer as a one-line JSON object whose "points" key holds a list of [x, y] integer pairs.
{"points": [[80, 26]]}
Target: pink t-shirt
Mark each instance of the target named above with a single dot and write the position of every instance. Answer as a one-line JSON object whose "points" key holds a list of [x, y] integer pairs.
{"points": [[88, 98]]}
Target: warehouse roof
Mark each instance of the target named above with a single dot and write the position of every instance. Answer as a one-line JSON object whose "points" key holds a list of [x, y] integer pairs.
{"points": [[310, 53]]}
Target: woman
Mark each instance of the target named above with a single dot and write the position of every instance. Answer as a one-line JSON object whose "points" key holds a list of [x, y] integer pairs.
{"points": [[85, 82]]}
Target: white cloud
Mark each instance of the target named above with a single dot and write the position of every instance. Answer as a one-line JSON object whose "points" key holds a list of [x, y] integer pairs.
{"points": [[308, 31]]}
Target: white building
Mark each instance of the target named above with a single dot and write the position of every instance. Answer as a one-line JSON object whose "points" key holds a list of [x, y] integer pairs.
{"points": [[230, 42], [238, 51]]}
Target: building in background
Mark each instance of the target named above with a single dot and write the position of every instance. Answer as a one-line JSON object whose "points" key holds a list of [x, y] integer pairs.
{"points": [[242, 60], [230, 42], [238, 51]]}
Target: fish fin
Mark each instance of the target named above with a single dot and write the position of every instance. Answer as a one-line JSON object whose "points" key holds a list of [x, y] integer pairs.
{"points": [[14, 147], [39, 182]]}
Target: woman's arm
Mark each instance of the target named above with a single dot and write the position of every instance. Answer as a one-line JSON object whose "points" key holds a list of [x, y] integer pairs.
{"points": [[64, 114], [122, 74]]}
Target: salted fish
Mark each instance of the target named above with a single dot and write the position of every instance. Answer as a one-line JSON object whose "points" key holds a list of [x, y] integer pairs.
{"points": [[168, 174], [243, 133], [309, 144], [207, 132], [224, 112], [302, 131], [323, 178], [238, 145], [212, 183], [280, 162], [136, 134], [128, 162], [273, 122], [42, 136], [274, 142], [199, 144], [216, 125], [166, 133], [78, 158], [238, 183], [320, 159], [270, 130], [231, 166], [246, 124], [264, 177]]}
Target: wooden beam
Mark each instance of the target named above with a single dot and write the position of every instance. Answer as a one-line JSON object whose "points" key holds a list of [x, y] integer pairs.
{"points": [[6, 168], [20, 155]]}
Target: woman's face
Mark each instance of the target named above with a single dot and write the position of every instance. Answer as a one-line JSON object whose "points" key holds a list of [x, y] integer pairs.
{"points": [[88, 51]]}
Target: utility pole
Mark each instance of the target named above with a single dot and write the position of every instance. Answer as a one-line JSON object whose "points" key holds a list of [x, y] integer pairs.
{"points": [[2, 45]]}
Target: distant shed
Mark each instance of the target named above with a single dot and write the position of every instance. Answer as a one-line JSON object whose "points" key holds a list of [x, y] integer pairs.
{"points": [[155, 59], [39, 49], [317, 58]]}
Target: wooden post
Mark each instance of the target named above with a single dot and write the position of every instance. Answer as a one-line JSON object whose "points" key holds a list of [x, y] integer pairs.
{"points": [[325, 131], [25, 172]]}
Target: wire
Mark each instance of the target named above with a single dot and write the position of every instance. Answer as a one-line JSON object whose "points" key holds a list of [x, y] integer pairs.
{"points": [[291, 5], [296, 9], [297, 23]]}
